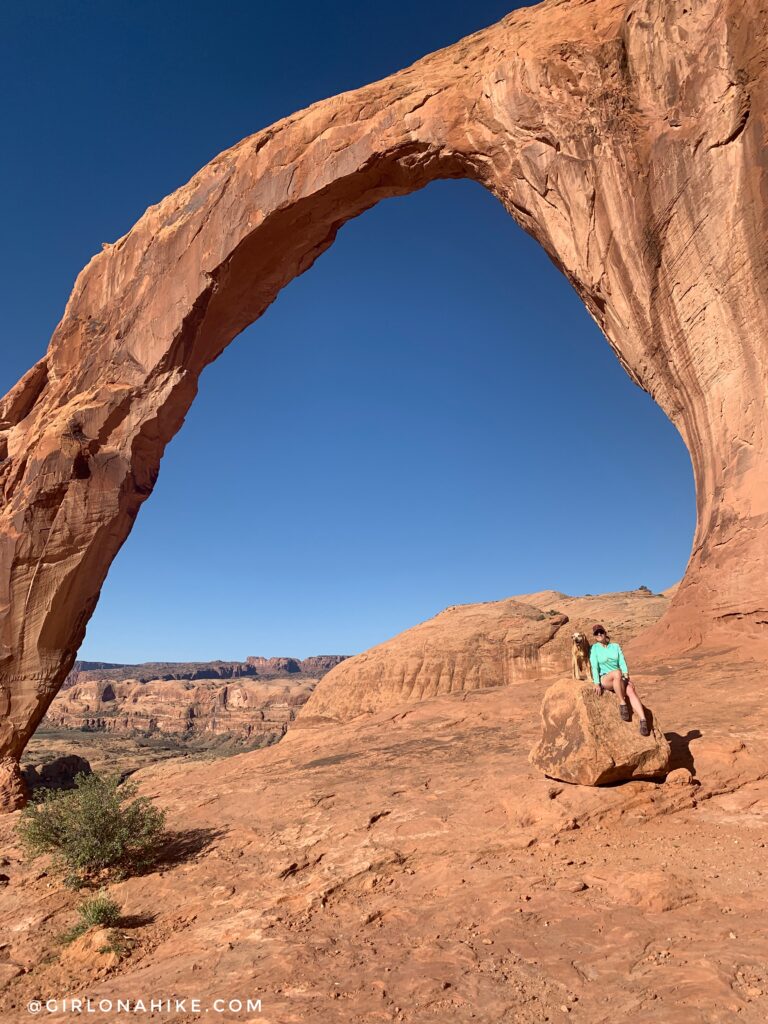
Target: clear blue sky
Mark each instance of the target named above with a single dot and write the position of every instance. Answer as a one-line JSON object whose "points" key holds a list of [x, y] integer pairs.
{"points": [[412, 424]]}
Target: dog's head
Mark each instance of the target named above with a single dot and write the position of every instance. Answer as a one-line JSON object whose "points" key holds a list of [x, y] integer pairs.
{"points": [[579, 638]]}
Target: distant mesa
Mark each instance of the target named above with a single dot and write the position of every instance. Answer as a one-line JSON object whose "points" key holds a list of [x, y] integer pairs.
{"points": [[255, 667], [248, 702]]}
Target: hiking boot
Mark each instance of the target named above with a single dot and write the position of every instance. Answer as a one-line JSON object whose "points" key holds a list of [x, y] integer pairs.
{"points": [[625, 712], [644, 730]]}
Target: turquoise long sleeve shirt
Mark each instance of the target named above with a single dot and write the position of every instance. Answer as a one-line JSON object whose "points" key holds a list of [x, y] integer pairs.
{"points": [[605, 658]]}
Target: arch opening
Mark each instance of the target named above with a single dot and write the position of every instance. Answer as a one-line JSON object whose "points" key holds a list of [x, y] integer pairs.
{"points": [[424, 425]]}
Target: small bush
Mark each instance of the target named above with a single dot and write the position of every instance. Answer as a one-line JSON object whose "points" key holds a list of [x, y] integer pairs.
{"points": [[97, 826], [99, 910]]}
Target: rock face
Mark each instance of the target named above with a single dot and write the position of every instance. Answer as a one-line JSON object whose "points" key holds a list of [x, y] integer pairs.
{"points": [[466, 647], [14, 791], [626, 136], [248, 711], [472, 646], [584, 740]]}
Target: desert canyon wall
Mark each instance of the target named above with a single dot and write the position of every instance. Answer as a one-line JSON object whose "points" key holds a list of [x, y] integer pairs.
{"points": [[626, 136]]}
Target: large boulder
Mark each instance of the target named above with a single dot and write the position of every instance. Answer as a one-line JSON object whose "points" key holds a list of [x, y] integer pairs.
{"points": [[584, 740], [59, 773]]}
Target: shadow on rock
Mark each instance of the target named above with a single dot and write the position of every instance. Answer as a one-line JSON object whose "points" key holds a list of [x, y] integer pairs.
{"points": [[681, 750], [136, 920], [184, 845]]}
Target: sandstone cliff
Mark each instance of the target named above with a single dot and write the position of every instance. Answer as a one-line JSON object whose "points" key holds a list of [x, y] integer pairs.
{"points": [[247, 710], [189, 700]]}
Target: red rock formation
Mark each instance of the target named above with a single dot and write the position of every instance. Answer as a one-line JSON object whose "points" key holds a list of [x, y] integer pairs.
{"points": [[412, 866], [247, 710], [466, 647], [259, 668], [473, 646], [627, 136]]}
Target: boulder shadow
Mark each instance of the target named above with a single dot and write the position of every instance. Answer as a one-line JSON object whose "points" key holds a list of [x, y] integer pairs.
{"points": [[682, 756]]}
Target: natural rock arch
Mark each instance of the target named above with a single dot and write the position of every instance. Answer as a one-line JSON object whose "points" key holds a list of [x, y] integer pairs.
{"points": [[627, 136]]}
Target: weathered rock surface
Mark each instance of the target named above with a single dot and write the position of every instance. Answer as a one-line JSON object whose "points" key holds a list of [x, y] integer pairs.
{"points": [[466, 647], [584, 740], [189, 700], [626, 136], [14, 791]]}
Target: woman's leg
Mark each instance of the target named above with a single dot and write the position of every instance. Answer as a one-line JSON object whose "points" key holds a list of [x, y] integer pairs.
{"points": [[613, 681], [634, 700]]}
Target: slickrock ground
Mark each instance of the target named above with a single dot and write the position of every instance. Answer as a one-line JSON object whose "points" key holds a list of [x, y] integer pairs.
{"points": [[410, 865]]}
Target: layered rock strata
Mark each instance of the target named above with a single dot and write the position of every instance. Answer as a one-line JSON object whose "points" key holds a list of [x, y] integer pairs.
{"points": [[474, 646], [246, 711]]}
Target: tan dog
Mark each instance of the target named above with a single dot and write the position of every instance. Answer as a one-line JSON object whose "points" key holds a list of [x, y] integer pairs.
{"points": [[580, 657]]}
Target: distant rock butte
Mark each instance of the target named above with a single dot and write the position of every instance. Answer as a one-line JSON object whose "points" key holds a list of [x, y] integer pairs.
{"points": [[610, 131], [468, 647]]}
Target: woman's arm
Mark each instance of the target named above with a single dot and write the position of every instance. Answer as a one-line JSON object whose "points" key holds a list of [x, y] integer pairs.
{"points": [[622, 662], [594, 665]]}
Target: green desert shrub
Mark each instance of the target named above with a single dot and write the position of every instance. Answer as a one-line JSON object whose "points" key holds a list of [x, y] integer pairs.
{"points": [[100, 910], [100, 825]]}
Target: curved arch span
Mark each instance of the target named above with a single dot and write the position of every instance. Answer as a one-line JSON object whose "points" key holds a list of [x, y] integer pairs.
{"points": [[624, 135]]}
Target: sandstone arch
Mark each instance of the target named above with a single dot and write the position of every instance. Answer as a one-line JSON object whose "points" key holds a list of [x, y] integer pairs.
{"points": [[627, 136]]}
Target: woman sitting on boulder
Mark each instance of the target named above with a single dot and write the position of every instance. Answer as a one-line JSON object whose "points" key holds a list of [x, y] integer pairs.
{"points": [[610, 672]]}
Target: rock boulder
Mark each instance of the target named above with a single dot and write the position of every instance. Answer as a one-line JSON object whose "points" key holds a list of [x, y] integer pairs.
{"points": [[59, 773], [584, 740]]}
